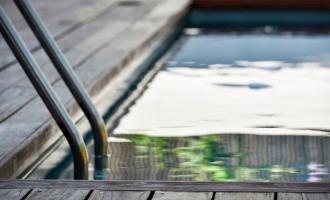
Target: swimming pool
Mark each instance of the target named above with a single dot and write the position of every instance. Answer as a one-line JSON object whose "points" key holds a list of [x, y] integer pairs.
{"points": [[240, 98]]}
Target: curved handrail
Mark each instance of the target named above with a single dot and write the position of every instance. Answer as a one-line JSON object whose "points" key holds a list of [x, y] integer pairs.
{"points": [[47, 94], [73, 83]]}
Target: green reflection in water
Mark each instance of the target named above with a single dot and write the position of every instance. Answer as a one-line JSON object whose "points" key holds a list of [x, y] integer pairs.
{"points": [[202, 159]]}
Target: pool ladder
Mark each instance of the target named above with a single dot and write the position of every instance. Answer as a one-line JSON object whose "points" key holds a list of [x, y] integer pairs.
{"points": [[49, 97]]}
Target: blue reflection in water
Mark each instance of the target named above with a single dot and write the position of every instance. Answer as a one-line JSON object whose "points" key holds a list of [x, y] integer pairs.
{"points": [[251, 85], [226, 49]]}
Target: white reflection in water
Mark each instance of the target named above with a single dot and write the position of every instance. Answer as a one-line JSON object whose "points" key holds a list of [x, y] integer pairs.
{"points": [[192, 31], [115, 139], [272, 97], [266, 65], [317, 170], [293, 101]]}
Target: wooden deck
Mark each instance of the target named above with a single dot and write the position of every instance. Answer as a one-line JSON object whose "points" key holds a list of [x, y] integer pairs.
{"points": [[146, 190], [99, 38]]}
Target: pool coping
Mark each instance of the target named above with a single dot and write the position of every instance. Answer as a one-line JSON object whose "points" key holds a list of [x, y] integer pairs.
{"points": [[174, 186]]}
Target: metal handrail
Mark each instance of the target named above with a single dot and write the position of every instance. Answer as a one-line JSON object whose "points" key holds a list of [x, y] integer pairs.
{"points": [[47, 94], [73, 83]]}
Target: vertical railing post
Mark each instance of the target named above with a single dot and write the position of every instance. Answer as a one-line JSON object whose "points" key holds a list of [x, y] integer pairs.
{"points": [[73, 83], [47, 94]]}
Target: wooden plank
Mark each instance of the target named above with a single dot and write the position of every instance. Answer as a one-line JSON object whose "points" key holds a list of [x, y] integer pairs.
{"points": [[118, 195], [159, 195], [46, 9], [50, 18], [41, 6], [173, 186], [13, 193], [88, 12], [303, 196], [11, 99], [14, 73], [70, 194], [245, 196], [71, 16], [96, 73]]}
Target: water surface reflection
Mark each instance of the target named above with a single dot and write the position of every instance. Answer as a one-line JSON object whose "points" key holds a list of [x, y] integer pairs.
{"points": [[219, 82], [225, 157], [232, 107], [221, 158], [227, 107]]}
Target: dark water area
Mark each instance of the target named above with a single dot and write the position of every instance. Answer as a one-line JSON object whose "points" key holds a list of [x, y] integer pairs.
{"points": [[242, 99], [229, 157], [222, 158]]}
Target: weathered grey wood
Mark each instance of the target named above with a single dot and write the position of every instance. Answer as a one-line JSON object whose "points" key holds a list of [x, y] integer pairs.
{"points": [[31, 128], [87, 12], [12, 98], [119, 195], [54, 24], [159, 195], [73, 14], [41, 6], [303, 196], [59, 194], [241, 196], [14, 73], [58, 9], [172, 186], [46, 9], [13, 193]]}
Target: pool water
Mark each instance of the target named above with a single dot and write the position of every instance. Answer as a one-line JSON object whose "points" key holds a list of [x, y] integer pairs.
{"points": [[238, 103], [221, 157], [238, 83], [217, 157]]}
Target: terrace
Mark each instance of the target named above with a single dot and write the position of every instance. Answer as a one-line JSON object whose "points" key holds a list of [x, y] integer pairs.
{"points": [[116, 48]]}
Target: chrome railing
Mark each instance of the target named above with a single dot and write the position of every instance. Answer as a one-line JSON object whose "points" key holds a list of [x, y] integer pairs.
{"points": [[77, 89], [47, 94]]}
